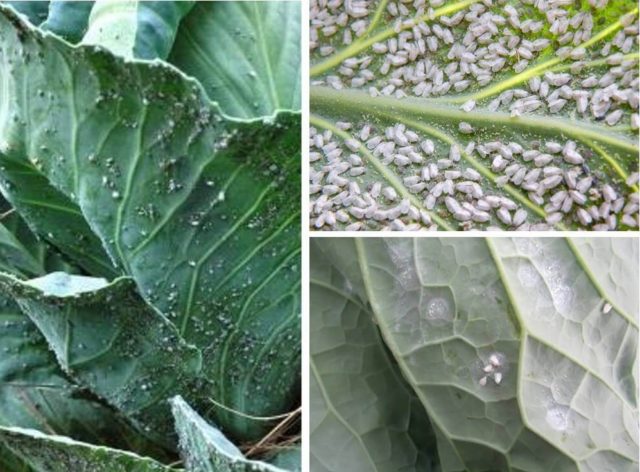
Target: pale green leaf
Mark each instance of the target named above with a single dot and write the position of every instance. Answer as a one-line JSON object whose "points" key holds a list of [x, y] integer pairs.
{"points": [[245, 54], [614, 276], [158, 23], [467, 76], [455, 313], [363, 415], [131, 28]]}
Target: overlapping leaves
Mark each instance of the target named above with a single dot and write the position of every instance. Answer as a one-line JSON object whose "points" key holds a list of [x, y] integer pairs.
{"points": [[522, 352], [154, 182]]}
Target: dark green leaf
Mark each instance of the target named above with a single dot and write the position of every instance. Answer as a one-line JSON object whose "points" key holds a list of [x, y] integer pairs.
{"points": [[35, 11], [36, 394], [202, 211], [49, 453], [14, 257], [9, 462], [48, 257], [109, 340], [43, 208]]}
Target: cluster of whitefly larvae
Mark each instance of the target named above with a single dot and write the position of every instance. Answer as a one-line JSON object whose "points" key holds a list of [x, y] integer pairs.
{"points": [[443, 179], [475, 47], [492, 370]]}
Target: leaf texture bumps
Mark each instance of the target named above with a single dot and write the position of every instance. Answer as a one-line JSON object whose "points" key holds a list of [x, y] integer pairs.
{"points": [[350, 368], [521, 356]]}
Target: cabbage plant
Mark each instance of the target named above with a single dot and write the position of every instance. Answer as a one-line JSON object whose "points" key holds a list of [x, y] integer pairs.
{"points": [[149, 236], [474, 354], [474, 114]]}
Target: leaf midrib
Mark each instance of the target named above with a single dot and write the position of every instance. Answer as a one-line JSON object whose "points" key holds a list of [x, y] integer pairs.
{"points": [[359, 101]]}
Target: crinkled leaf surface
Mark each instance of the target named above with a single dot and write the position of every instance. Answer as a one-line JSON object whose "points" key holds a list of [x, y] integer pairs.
{"points": [[50, 453], [364, 417], [141, 29], [205, 449], [199, 209], [68, 18], [245, 54], [453, 109], [521, 358], [109, 340]]}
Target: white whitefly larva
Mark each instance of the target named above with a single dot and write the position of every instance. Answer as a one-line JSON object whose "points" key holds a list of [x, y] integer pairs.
{"points": [[456, 56]]}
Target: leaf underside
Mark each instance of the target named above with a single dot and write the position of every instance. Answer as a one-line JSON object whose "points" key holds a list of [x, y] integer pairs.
{"points": [[350, 368], [468, 116], [523, 358]]}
